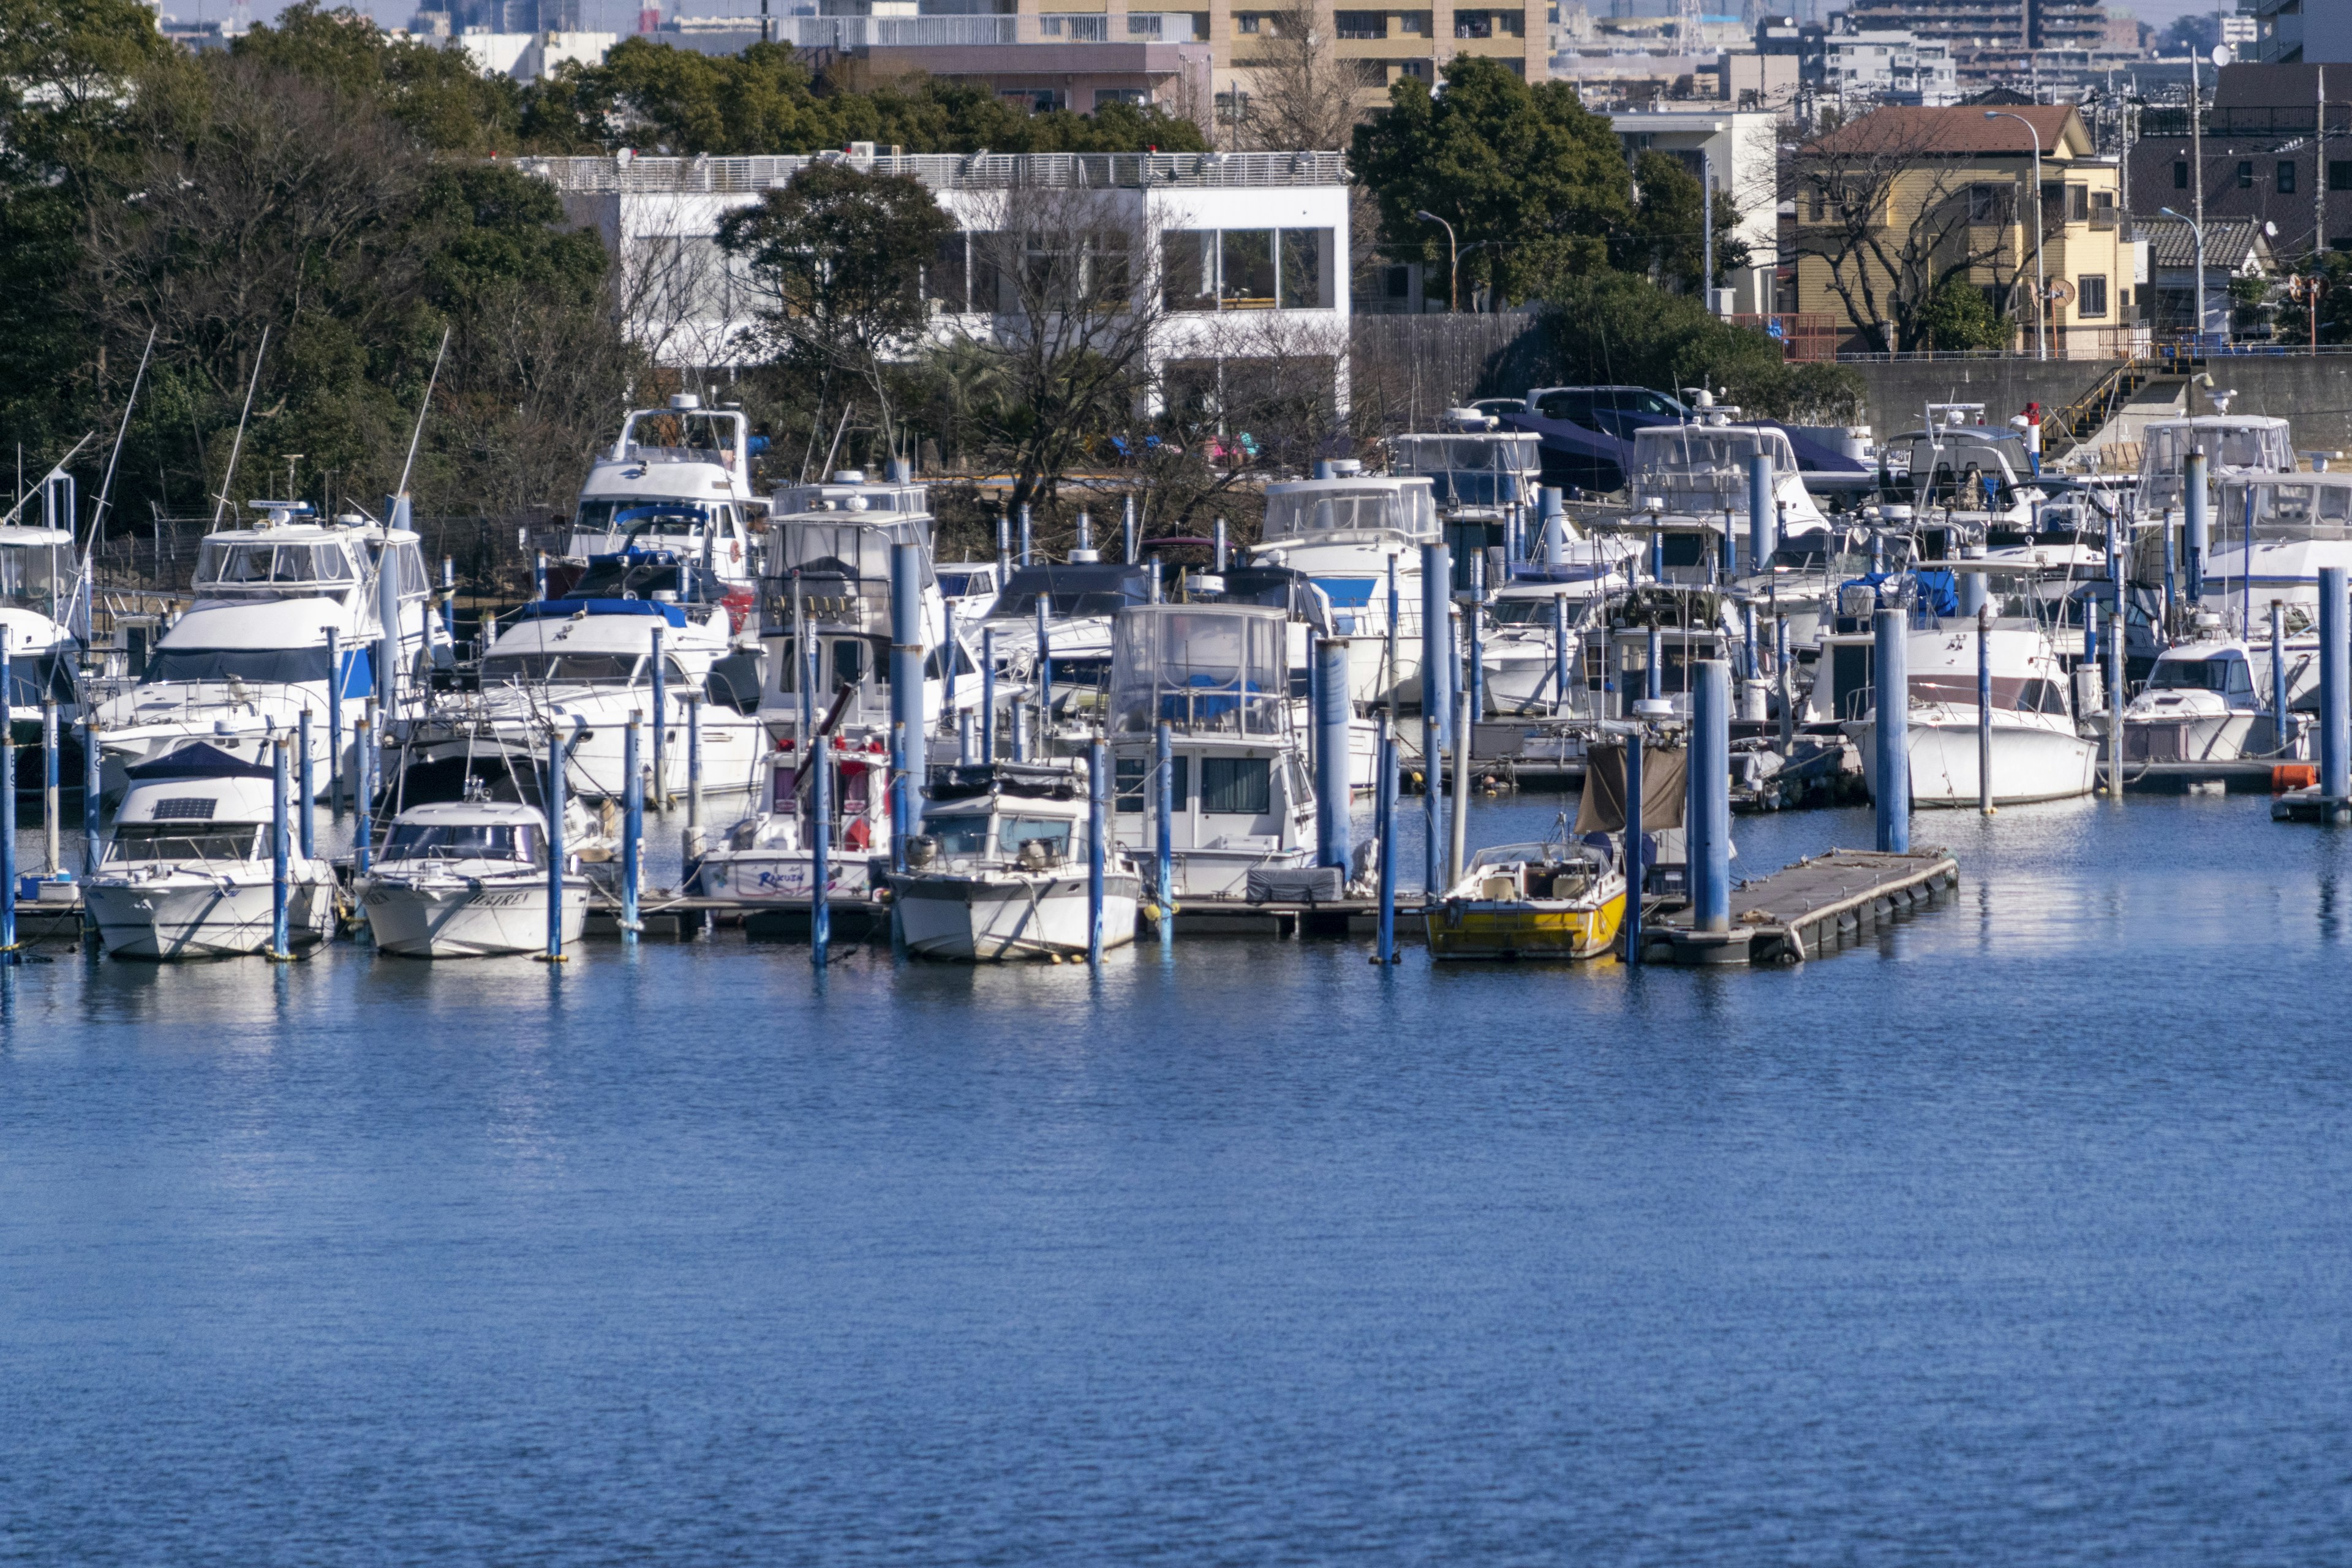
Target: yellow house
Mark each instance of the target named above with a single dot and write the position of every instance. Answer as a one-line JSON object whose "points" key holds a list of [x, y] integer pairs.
{"points": [[1892, 207]]}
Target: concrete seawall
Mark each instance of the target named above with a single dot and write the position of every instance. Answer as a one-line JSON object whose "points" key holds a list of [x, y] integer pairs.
{"points": [[1899, 392]]}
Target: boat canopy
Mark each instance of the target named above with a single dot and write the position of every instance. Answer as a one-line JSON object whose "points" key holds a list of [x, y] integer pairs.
{"points": [[38, 567], [1204, 668], [851, 544], [1079, 588], [246, 566], [1472, 470], [2304, 506], [2227, 440], [1704, 467], [1308, 509]]}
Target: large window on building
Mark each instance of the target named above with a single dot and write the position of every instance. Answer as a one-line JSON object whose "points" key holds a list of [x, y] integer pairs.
{"points": [[1360, 24], [1246, 270], [2286, 176], [1474, 24], [2091, 297]]}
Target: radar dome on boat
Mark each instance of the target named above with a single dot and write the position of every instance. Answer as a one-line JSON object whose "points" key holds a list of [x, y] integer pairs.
{"points": [[685, 401], [849, 477]]}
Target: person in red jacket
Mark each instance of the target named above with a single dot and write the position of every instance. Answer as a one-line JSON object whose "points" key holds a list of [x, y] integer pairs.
{"points": [[2029, 424]]}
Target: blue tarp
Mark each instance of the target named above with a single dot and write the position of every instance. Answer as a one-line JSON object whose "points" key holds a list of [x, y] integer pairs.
{"points": [[1617, 428], [1573, 454]]}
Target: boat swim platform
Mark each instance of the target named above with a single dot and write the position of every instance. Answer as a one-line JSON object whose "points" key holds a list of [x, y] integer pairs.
{"points": [[1810, 910], [2310, 806]]}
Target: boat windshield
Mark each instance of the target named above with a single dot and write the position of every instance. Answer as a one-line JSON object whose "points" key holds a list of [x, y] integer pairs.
{"points": [[464, 841], [1523, 612], [33, 574], [240, 566], [2309, 508], [575, 669], [2228, 674], [262, 666], [1409, 510], [966, 833], [619, 514], [151, 841]]}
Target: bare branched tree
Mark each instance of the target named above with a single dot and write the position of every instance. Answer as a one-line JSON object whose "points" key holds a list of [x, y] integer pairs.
{"points": [[1071, 279], [1890, 220], [1302, 94]]}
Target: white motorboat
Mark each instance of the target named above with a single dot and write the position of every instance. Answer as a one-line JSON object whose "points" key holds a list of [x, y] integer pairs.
{"points": [[1001, 868], [2037, 754], [2236, 446], [1967, 478], [1080, 598], [1689, 491], [1353, 535], [1242, 800], [190, 870], [2209, 698], [251, 654], [468, 879], [677, 478], [2271, 536], [582, 665], [770, 856], [44, 592], [1530, 625]]}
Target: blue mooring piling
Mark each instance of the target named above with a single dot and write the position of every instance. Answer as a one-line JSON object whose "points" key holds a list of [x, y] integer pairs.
{"points": [[363, 793], [820, 853], [1760, 516], [309, 826], [1332, 710], [633, 825], [1436, 706], [1636, 870], [551, 796], [1386, 815], [1025, 557], [1892, 732], [2197, 522], [91, 778], [334, 726], [1559, 676], [2334, 687], [2282, 719], [279, 869], [1045, 682], [661, 723], [1164, 771], [907, 726], [8, 952], [988, 694], [52, 793], [1710, 810], [1097, 828]]}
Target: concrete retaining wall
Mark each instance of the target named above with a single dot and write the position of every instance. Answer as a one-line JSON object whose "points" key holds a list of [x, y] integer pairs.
{"points": [[2312, 394], [1900, 391]]}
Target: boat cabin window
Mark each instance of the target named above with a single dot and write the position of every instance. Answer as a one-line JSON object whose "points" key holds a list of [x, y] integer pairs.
{"points": [[958, 585], [618, 514], [2306, 510], [1803, 558], [960, 835], [848, 662], [1524, 612], [223, 563], [263, 666], [33, 573], [151, 841], [409, 563], [623, 577], [1236, 786], [1054, 831], [1138, 790], [1685, 548], [464, 841], [576, 670], [1296, 514], [2229, 675]]}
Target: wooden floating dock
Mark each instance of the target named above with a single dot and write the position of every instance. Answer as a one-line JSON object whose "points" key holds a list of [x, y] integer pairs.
{"points": [[1808, 909]]}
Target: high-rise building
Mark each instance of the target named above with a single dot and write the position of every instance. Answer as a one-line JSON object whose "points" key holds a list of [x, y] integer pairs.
{"points": [[1989, 39]]}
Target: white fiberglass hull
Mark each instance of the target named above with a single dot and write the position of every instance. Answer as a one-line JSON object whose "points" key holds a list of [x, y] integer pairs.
{"points": [[2035, 757], [456, 917], [987, 917], [187, 916], [243, 731]]}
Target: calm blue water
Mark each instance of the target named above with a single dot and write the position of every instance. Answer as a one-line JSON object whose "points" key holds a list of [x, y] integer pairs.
{"points": [[2018, 1235]]}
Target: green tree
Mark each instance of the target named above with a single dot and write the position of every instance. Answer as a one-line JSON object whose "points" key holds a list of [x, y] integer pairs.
{"points": [[1612, 328], [839, 255], [1957, 315], [1665, 233], [436, 93], [1527, 176]]}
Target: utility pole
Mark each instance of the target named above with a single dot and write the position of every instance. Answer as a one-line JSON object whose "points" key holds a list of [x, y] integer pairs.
{"points": [[2197, 170]]}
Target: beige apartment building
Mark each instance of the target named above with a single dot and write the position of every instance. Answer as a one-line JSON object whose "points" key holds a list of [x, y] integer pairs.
{"points": [[1383, 44]]}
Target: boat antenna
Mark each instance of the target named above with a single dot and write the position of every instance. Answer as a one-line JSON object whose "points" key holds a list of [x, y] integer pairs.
{"points": [[236, 447], [106, 489], [54, 468], [418, 434]]}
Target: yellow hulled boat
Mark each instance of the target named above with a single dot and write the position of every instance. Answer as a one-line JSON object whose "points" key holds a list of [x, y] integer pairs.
{"points": [[1532, 901]]}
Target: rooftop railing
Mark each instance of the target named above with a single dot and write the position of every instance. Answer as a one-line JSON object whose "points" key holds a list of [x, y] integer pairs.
{"points": [[948, 171]]}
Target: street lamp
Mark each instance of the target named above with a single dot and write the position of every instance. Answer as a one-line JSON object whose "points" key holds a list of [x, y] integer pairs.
{"points": [[2197, 229], [2040, 287], [1453, 260]]}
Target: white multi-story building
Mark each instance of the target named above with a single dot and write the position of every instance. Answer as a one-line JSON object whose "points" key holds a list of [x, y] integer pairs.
{"points": [[1889, 66], [1244, 253], [1737, 151]]}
